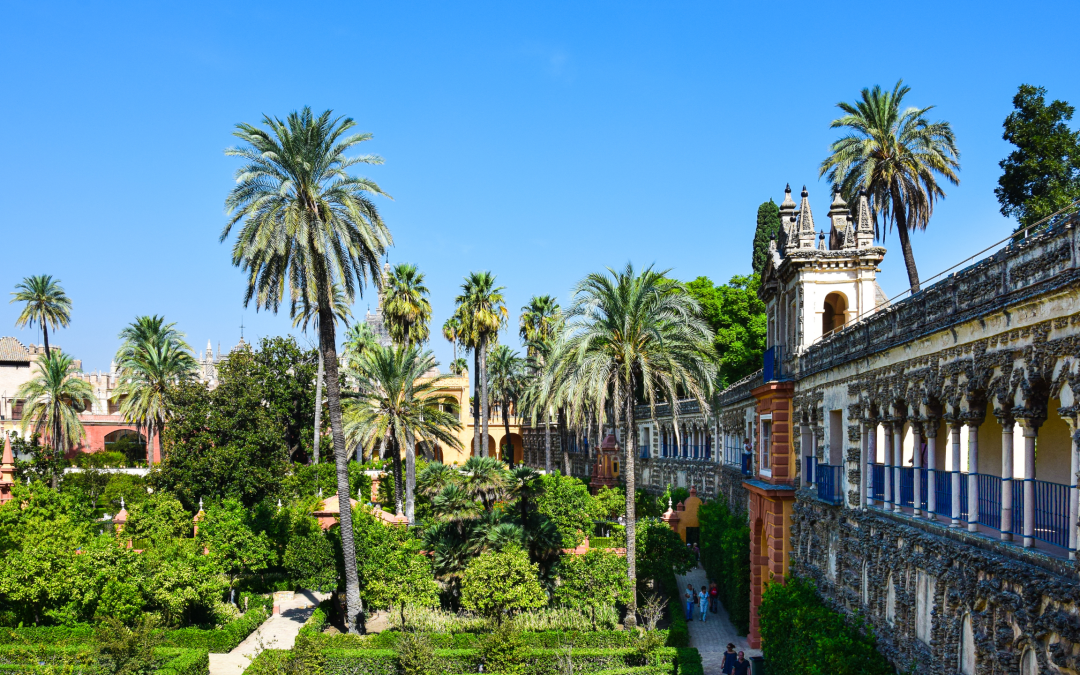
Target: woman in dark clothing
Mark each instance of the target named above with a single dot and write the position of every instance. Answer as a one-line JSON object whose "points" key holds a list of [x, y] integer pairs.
{"points": [[729, 660]]}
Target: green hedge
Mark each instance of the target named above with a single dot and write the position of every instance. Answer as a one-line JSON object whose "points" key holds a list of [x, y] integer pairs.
{"points": [[47, 635], [725, 555], [800, 635], [678, 633], [538, 661], [183, 661], [607, 639], [688, 660], [24, 658], [218, 640]]}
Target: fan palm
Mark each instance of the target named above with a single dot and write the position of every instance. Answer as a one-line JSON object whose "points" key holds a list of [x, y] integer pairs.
{"points": [[524, 486], [536, 399], [539, 320], [451, 331], [485, 478], [304, 312], [407, 309], [53, 400], [627, 332], [459, 367], [46, 304], [506, 380], [435, 477], [482, 313], [896, 156], [308, 224], [397, 403], [152, 357]]}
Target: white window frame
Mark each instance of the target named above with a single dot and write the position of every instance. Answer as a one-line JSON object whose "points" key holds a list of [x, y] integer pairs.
{"points": [[764, 456]]}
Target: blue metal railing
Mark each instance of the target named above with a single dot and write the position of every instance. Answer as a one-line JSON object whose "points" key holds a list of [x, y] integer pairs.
{"points": [[772, 363], [924, 490], [989, 500], [907, 486], [1052, 513], [943, 493], [877, 483], [746, 464], [829, 484], [1018, 507], [963, 497]]}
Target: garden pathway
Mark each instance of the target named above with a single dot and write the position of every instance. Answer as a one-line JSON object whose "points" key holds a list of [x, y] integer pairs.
{"points": [[712, 636], [277, 632]]}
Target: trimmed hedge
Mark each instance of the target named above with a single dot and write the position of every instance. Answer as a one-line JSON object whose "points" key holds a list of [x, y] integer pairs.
{"points": [[47, 635], [678, 632], [539, 661], [607, 639], [688, 661], [183, 661], [725, 555], [24, 658]]}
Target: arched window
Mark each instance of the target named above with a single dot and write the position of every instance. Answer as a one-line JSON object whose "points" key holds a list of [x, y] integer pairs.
{"points": [[835, 312], [1029, 665], [967, 647], [866, 583], [890, 602]]}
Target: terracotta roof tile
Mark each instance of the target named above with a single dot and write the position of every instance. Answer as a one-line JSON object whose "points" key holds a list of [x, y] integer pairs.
{"points": [[13, 350]]}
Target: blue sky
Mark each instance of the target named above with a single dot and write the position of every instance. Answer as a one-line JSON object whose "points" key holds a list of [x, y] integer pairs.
{"points": [[540, 141]]}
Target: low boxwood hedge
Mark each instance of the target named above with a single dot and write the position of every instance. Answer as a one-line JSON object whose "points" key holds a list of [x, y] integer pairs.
{"points": [[538, 661], [183, 661], [605, 639], [27, 658], [678, 631]]}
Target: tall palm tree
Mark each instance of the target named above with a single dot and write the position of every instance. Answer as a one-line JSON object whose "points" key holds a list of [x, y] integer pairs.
{"points": [[536, 398], [46, 304], [459, 367], [309, 224], [482, 311], [153, 356], [896, 156], [506, 380], [628, 332], [359, 338], [53, 400], [396, 402], [539, 319], [451, 330], [304, 311], [406, 306]]}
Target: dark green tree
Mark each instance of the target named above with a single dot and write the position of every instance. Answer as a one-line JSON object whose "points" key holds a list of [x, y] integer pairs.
{"points": [[737, 316], [1042, 175], [768, 224]]}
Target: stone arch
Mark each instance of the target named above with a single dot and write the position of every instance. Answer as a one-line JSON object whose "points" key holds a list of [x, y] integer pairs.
{"points": [[1029, 664], [966, 651], [890, 600], [834, 313]]}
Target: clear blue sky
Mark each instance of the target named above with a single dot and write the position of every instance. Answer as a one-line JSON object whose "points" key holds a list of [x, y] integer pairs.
{"points": [[541, 142]]}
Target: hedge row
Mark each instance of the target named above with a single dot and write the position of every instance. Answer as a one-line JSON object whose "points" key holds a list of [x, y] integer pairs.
{"points": [[725, 555], [183, 661], [538, 661], [24, 658], [605, 639], [678, 632], [216, 640]]}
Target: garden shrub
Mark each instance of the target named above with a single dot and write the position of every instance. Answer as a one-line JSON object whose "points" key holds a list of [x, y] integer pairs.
{"points": [[416, 655], [495, 584], [535, 661], [503, 651], [610, 639], [218, 640], [678, 631], [182, 661], [802, 636], [725, 555]]}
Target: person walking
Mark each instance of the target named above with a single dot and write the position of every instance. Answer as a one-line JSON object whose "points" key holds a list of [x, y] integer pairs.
{"points": [[730, 656], [689, 595], [741, 665], [714, 598], [703, 602]]}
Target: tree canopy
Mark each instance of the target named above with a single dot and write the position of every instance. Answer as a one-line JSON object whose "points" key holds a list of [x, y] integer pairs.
{"points": [[737, 316], [768, 224]]}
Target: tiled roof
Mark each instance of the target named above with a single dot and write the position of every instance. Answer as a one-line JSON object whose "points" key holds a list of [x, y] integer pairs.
{"points": [[13, 350]]}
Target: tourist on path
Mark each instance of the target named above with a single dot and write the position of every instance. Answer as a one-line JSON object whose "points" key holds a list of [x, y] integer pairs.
{"points": [[703, 602], [730, 656], [714, 598], [741, 666], [689, 595]]}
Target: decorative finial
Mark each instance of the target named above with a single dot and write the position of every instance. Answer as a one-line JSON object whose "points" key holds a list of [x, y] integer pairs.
{"points": [[804, 192], [787, 188], [122, 505], [200, 503], [279, 504], [320, 493]]}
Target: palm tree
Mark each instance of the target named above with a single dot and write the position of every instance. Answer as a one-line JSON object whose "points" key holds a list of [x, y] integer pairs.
{"points": [[406, 307], [451, 331], [459, 367], [53, 400], [540, 319], [486, 479], [628, 332], [396, 402], [895, 156], [506, 381], [536, 399], [308, 224], [359, 338], [152, 357], [46, 304], [482, 313], [302, 312]]}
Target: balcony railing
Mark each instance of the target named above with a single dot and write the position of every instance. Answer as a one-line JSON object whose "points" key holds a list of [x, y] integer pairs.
{"points": [[877, 483], [811, 470], [746, 464], [829, 483], [989, 490], [1051, 513]]}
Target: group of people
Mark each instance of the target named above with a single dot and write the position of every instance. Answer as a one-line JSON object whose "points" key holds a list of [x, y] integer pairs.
{"points": [[735, 663], [706, 601]]}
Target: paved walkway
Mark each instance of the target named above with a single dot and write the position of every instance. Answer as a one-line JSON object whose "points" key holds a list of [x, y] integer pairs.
{"points": [[277, 632], [712, 636]]}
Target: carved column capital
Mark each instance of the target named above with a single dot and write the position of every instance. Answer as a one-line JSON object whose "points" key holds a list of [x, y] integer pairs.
{"points": [[930, 427]]}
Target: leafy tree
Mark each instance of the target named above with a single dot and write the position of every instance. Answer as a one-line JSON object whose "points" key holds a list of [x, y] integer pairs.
{"points": [[896, 156], [481, 309], [182, 583], [737, 317], [501, 583], [596, 579], [53, 400], [610, 502], [309, 561], [725, 555], [153, 356], [406, 305], [230, 536], [768, 226], [1042, 175], [159, 517], [459, 367], [630, 332], [46, 304], [661, 551], [567, 502], [309, 224], [540, 319]]}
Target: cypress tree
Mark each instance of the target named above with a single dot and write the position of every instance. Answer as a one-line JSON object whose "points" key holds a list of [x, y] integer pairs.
{"points": [[768, 224]]}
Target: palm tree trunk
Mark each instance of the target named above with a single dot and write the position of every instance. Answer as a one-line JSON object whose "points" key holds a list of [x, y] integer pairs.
{"points": [[547, 441], [484, 384], [159, 426], [55, 482], [395, 448], [506, 430], [630, 622], [476, 401], [563, 445], [905, 239], [45, 335], [333, 395], [410, 478], [318, 411]]}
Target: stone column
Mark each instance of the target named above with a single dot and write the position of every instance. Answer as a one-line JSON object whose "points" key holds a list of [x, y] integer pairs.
{"points": [[1074, 492], [916, 463], [807, 451], [1030, 426], [888, 465], [931, 466], [898, 464], [954, 472], [1006, 475], [973, 476], [864, 465], [872, 457]]}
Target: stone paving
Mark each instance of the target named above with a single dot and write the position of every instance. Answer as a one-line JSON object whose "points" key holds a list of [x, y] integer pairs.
{"points": [[277, 632], [712, 636]]}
